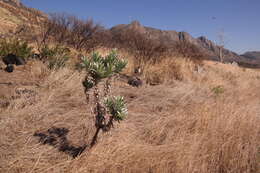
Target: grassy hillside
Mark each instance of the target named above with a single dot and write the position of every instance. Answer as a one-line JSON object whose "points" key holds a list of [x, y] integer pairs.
{"points": [[13, 16], [208, 122], [8, 21]]}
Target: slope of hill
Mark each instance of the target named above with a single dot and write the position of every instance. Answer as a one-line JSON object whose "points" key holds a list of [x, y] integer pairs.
{"points": [[14, 14]]}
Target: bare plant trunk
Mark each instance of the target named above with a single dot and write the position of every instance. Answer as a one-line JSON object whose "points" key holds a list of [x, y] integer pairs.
{"points": [[99, 118], [94, 139], [221, 54]]}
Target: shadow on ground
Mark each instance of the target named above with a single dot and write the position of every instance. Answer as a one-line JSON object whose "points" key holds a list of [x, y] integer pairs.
{"points": [[57, 137]]}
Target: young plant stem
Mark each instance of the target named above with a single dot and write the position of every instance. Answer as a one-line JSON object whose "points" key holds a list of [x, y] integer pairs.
{"points": [[99, 118]]}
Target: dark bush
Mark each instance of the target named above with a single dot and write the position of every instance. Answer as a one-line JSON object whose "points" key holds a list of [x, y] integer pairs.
{"points": [[141, 45], [72, 31], [16, 47], [189, 50]]}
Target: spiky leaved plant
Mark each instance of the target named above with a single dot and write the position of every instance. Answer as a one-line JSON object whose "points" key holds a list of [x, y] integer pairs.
{"points": [[107, 109]]}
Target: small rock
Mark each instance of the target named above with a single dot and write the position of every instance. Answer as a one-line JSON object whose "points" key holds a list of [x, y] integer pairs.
{"points": [[135, 81], [234, 64], [9, 68]]}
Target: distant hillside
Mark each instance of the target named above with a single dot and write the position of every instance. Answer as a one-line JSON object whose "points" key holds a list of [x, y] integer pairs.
{"points": [[253, 55], [170, 37]]}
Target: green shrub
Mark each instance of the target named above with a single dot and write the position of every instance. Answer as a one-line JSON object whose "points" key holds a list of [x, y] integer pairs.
{"points": [[15, 46], [218, 90], [56, 57]]}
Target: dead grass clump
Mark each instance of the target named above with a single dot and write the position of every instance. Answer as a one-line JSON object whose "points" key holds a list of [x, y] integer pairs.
{"points": [[162, 72], [226, 139], [37, 69], [169, 69]]}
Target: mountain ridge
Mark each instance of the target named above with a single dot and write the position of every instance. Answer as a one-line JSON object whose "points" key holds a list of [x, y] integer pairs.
{"points": [[252, 54], [171, 37]]}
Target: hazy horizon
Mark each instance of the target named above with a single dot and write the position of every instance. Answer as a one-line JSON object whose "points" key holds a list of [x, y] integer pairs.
{"points": [[237, 19]]}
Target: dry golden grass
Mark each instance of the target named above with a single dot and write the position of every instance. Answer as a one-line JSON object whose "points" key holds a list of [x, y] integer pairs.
{"points": [[168, 69], [178, 126]]}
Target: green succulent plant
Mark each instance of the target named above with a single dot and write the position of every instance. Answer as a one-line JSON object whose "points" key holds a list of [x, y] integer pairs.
{"points": [[117, 107], [218, 90], [99, 67], [114, 107]]}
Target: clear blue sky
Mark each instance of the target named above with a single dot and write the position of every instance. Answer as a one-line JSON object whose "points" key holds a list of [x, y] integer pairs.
{"points": [[239, 19]]}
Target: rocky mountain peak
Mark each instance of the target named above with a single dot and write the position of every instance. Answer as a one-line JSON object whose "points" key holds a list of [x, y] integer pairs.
{"points": [[204, 42], [136, 25]]}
